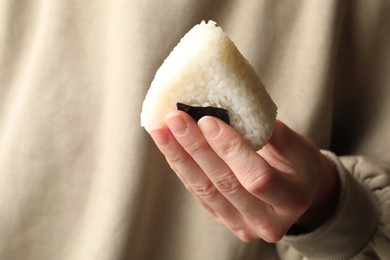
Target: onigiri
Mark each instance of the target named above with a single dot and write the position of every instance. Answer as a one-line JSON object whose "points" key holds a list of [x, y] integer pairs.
{"points": [[206, 69]]}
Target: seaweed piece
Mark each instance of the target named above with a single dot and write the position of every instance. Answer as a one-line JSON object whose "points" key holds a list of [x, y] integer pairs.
{"points": [[198, 112]]}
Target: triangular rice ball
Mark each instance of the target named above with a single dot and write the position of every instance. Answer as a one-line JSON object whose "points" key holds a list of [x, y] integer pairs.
{"points": [[206, 69]]}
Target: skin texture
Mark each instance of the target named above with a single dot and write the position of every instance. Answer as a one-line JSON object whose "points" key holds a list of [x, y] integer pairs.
{"points": [[255, 194]]}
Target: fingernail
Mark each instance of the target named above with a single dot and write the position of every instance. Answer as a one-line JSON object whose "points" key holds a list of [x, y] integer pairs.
{"points": [[209, 127], [177, 124]]}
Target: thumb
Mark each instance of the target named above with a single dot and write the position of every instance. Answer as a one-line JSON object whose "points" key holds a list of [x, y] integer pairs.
{"points": [[287, 148]]}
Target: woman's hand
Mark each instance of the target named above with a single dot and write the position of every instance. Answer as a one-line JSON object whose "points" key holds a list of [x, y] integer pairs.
{"points": [[254, 194]]}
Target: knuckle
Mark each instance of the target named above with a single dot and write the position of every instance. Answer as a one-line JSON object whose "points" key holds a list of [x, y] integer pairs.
{"points": [[244, 235], [271, 233], [230, 147], [227, 184], [273, 237], [241, 231], [205, 191], [196, 147], [261, 184], [176, 159]]}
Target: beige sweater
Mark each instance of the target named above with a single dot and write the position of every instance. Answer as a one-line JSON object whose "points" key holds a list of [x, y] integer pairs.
{"points": [[81, 180]]}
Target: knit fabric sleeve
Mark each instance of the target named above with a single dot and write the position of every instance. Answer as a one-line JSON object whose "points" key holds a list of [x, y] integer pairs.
{"points": [[360, 226]]}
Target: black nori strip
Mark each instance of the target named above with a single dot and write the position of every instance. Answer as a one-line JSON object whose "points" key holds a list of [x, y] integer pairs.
{"points": [[198, 112]]}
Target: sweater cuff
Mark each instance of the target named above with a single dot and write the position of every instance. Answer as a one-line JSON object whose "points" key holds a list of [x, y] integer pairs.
{"points": [[350, 228]]}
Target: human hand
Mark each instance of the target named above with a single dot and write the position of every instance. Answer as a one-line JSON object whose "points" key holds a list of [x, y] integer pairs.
{"points": [[254, 194]]}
